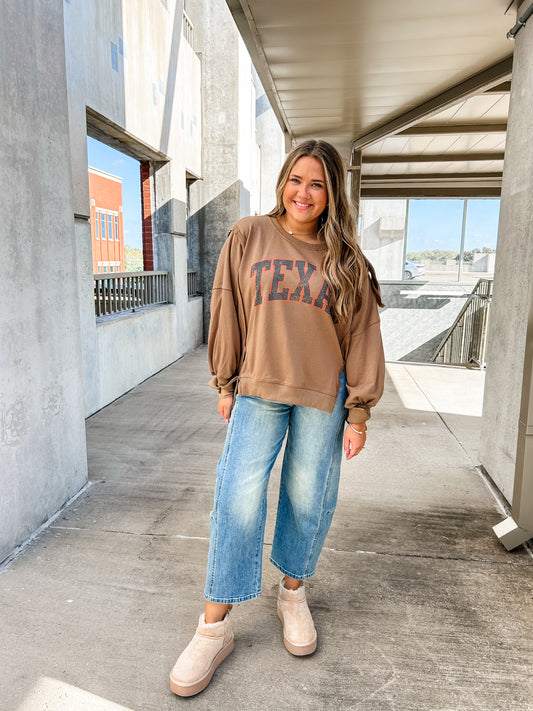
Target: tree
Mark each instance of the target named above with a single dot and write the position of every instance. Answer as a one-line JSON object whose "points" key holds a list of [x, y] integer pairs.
{"points": [[133, 259]]}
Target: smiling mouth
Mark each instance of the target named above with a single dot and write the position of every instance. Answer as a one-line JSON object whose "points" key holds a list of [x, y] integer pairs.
{"points": [[301, 205]]}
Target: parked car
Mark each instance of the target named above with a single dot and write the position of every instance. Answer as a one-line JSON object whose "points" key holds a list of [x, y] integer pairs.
{"points": [[412, 269]]}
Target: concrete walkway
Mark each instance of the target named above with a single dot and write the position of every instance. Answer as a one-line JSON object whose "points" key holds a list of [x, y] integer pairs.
{"points": [[417, 605]]}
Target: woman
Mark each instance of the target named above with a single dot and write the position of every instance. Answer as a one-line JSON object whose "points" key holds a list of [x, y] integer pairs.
{"points": [[295, 327]]}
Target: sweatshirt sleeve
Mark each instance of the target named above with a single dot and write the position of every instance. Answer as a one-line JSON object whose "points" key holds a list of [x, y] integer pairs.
{"points": [[226, 337], [364, 360]]}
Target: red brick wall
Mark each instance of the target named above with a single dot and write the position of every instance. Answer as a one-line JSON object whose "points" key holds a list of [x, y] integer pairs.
{"points": [[146, 208]]}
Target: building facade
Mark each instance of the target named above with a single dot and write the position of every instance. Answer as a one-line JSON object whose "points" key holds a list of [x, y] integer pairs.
{"points": [[107, 227], [171, 87]]}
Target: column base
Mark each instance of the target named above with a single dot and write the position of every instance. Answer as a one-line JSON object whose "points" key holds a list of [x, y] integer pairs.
{"points": [[510, 534]]}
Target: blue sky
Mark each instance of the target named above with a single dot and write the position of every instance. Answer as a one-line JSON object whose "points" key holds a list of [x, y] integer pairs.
{"points": [[436, 224], [105, 158]]}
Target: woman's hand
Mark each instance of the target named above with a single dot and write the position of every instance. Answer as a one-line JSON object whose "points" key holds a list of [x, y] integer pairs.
{"points": [[225, 404], [354, 439]]}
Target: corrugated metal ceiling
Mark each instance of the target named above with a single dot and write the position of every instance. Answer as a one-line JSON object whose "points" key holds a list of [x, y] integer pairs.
{"points": [[396, 78]]}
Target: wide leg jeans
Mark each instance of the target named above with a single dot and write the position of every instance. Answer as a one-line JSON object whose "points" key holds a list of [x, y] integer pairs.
{"points": [[307, 497]]}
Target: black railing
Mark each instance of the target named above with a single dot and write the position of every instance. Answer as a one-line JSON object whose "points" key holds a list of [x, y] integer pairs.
{"points": [[129, 291], [192, 282], [466, 341]]}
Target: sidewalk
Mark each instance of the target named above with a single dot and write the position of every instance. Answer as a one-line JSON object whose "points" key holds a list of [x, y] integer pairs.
{"points": [[418, 607]]}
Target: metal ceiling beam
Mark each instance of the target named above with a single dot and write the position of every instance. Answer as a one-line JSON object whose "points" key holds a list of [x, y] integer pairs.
{"points": [[245, 22], [430, 129], [444, 185], [430, 177], [503, 88], [475, 84], [430, 157], [428, 191]]}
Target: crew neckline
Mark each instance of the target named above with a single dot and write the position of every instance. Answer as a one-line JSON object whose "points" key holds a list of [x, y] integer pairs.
{"points": [[317, 247]]}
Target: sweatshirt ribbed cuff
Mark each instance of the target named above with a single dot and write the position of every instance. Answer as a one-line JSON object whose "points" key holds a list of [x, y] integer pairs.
{"points": [[358, 414], [228, 386]]}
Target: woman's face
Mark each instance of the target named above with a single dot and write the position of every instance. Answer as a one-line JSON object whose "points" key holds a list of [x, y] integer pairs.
{"points": [[305, 195]]}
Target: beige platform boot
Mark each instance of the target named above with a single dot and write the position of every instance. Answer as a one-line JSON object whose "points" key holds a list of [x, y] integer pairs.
{"points": [[211, 644], [299, 633]]}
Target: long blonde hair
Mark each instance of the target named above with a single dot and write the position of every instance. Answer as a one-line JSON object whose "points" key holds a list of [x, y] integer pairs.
{"points": [[345, 267]]}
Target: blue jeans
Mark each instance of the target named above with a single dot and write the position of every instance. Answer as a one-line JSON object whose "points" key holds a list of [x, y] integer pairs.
{"points": [[307, 496]]}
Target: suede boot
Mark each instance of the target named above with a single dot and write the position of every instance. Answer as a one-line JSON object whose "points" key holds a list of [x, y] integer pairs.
{"points": [[299, 634], [210, 645]]}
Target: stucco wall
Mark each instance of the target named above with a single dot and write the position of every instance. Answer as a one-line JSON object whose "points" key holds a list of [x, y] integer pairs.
{"points": [[42, 435]]}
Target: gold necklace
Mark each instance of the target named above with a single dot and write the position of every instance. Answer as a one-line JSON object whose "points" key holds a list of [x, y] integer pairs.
{"points": [[298, 234]]}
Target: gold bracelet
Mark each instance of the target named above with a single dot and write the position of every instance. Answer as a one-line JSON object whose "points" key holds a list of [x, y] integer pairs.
{"points": [[353, 428], [221, 395]]}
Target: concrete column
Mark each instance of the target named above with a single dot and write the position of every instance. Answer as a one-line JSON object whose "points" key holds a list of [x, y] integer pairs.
{"points": [[216, 200], [42, 431], [507, 414], [518, 527]]}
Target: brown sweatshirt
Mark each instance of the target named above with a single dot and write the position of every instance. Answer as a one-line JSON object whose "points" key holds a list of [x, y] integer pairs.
{"points": [[272, 330]]}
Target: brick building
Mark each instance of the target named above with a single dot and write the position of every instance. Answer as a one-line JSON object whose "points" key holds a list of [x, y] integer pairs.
{"points": [[107, 226]]}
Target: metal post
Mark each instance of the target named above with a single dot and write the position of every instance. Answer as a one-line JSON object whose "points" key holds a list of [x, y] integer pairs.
{"points": [[356, 160], [405, 231], [462, 248]]}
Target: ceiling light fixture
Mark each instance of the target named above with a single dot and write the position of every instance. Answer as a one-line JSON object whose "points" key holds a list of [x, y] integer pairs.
{"points": [[521, 23]]}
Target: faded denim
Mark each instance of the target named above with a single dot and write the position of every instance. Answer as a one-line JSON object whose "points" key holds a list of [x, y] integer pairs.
{"points": [[307, 497]]}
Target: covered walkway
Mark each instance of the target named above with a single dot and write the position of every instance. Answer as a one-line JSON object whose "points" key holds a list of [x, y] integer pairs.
{"points": [[417, 605]]}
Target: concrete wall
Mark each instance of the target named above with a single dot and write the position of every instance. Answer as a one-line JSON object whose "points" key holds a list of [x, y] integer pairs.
{"points": [[189, 107], [271, 144], [42, 435], [215, 200], [129, 63], [118, 341], [127, 67], [241, 154], [513, 277], [132, 347], [383, 235], [417, 317]]}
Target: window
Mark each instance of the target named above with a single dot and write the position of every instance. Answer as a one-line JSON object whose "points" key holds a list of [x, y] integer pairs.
{"points": [[433, 242], [110, 226], [116, 228], [430, 240], [97, 224], [102, 225], [481, 234]]}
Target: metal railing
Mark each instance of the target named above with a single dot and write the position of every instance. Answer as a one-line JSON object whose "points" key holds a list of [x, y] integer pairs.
{"points": [[192, 282], [466, 340], [188, 29], [129, 291]]}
